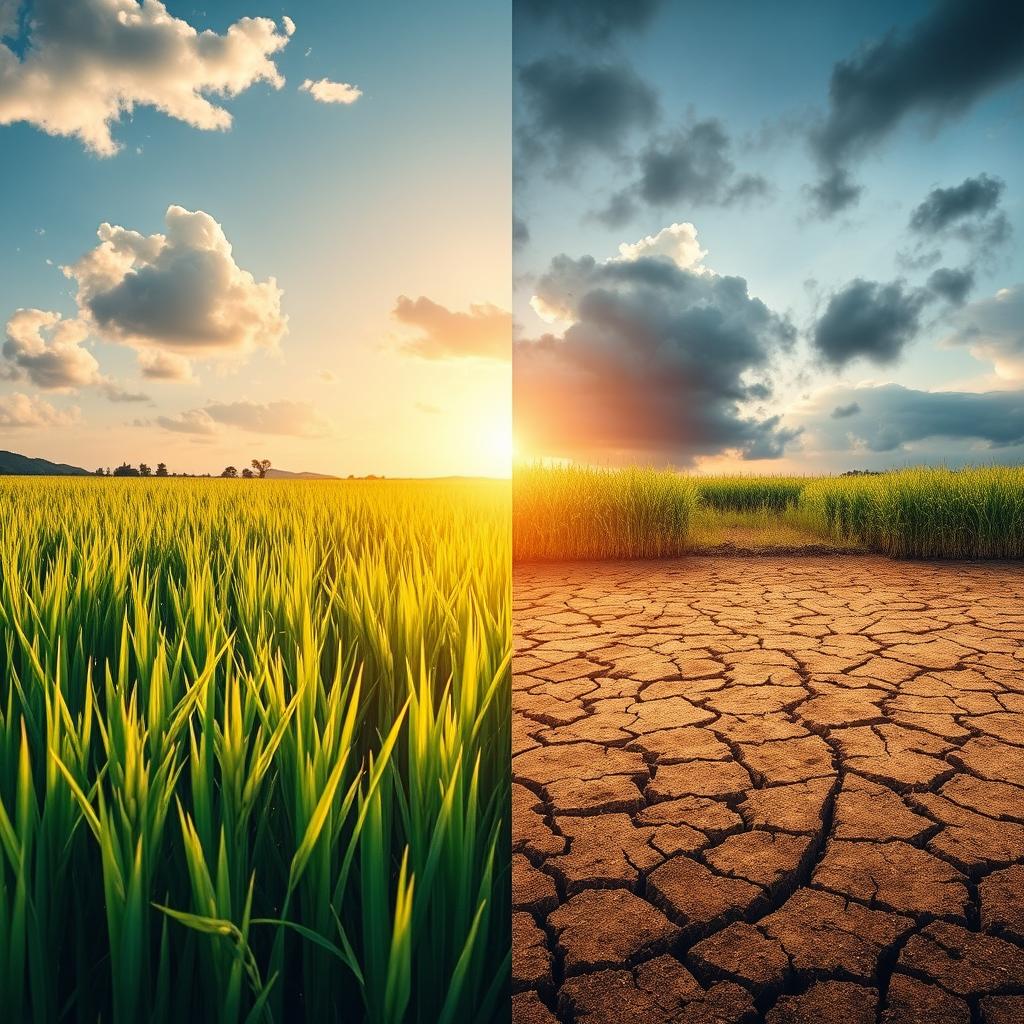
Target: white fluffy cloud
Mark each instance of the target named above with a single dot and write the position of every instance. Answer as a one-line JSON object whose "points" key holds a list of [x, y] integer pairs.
{"points": [[323, 90], [485, 332], [993, 330], [20, 411], [677, 242], [178, 294], [89, 62], [164, 366], [48, 350]]}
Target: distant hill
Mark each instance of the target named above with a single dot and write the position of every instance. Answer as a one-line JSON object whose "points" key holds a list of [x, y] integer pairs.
{"points": [[13, 464], [284, 474]]}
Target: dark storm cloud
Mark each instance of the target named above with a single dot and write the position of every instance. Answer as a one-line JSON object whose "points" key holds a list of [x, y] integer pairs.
{"points": [[834, 192], [520, 231], [574, 110], [938, 67], [692, 165], [870, 320], [945, 207], [968, 212], [951, 284], [893, 416], [594, 21], [842, 412], [660, 363]]}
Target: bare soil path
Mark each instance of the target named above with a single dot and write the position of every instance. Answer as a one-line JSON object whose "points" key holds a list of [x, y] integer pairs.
{"points": [[768, 789]]}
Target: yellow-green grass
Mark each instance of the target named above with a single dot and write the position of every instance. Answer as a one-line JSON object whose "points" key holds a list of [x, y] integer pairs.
{"points": [[581, 513], [577, 512], [925, 512], [254, 750], [744, 493]]}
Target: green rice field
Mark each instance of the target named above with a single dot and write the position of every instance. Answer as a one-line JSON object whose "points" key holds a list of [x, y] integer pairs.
{"points": [[583, 513], [254, 749]]}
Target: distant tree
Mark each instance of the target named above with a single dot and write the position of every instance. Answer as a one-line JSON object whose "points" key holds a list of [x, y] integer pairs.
{"points": [[161, 469], [144, 470], [248, 474], [261, 466], [99, 472], [126, 470], [230, 471]]}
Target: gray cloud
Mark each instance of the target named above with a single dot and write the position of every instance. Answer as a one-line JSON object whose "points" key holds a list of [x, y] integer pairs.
{"points": [[116, 393], [834, 192], [945, 207], [893, 417], [180, 293], [574, 110], [594, 21], [939, 67], [693, 166], [297, 419], [193, 421], [520, 232], [484, 332], [842, 412], [659, 363], [47, 349], [294, 419], [968, 212], [953, 285], [870, 320], [159, 365], [44, 348]]}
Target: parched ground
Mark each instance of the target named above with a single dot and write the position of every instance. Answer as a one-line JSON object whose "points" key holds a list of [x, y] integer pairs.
{"points": [[763, 789]]}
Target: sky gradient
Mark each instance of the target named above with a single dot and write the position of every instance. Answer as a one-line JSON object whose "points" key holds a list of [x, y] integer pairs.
{"points": [[334, 266], [769, 237]]}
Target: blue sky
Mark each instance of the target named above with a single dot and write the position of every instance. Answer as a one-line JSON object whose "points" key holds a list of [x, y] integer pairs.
{"points": [[348, 206], [762, 73]]}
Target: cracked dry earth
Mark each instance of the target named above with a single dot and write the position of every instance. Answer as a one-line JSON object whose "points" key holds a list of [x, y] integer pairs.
{"points": [[780, 790]]}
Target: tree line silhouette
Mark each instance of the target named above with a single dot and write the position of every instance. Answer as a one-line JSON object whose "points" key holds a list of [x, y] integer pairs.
{"points": [[259, 470]]}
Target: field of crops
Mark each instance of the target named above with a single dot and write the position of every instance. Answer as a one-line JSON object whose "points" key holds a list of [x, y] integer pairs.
{"points": [[572, 512], [254, 751], [581, 513]]}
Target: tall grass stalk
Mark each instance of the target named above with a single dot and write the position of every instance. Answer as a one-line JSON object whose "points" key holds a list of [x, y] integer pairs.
{"points": [[575, 512], [253, 751], [925, 512]]}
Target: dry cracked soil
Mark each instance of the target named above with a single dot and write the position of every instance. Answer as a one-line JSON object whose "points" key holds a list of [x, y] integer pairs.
{"points": [[779, 790]]}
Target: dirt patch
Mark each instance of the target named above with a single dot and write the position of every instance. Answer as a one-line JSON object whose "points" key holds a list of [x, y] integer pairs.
{"points": [[764, 789]]}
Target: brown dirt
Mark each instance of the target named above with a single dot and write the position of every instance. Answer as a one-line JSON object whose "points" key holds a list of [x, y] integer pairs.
{"points": [[769, 790]]}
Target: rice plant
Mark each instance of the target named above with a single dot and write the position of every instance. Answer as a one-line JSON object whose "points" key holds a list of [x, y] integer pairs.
{"points": [[254, 751], [744, 493], [576, 512], [925, 512]]}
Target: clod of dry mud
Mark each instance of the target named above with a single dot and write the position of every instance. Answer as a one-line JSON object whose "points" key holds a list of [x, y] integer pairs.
{"points": [[768, 790]]}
